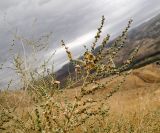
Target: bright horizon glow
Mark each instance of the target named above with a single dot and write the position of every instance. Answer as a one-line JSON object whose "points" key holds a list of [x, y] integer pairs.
{"points": [[79, 41]]}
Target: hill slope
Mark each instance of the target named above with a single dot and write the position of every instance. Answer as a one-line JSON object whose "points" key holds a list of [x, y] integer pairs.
{"points": [[141, 88], [147, 35]]}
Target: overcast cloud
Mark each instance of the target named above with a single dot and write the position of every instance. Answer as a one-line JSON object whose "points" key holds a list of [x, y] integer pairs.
{"points": [[74, 21]]}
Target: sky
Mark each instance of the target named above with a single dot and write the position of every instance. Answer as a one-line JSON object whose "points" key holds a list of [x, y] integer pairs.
{"points": [[74, 21]]}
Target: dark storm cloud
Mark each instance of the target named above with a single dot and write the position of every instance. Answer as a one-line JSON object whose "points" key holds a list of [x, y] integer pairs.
{"points": [[75, 21]]}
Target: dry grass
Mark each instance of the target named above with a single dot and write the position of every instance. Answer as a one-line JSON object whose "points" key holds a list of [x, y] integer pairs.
{"points": [[134, 108]]}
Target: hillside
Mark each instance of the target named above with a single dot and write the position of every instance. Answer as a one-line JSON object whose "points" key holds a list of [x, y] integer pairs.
{"points": [[147, 35], [143, 83]]}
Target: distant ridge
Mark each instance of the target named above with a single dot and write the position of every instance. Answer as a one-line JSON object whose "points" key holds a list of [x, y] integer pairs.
{"points": [[147, 35]]}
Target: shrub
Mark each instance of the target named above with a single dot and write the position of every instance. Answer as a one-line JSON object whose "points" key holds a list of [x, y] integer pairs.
{"points": [[52, 112]]}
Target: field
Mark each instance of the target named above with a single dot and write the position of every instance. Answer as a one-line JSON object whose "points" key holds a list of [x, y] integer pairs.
{"points": [[134, 108]]}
